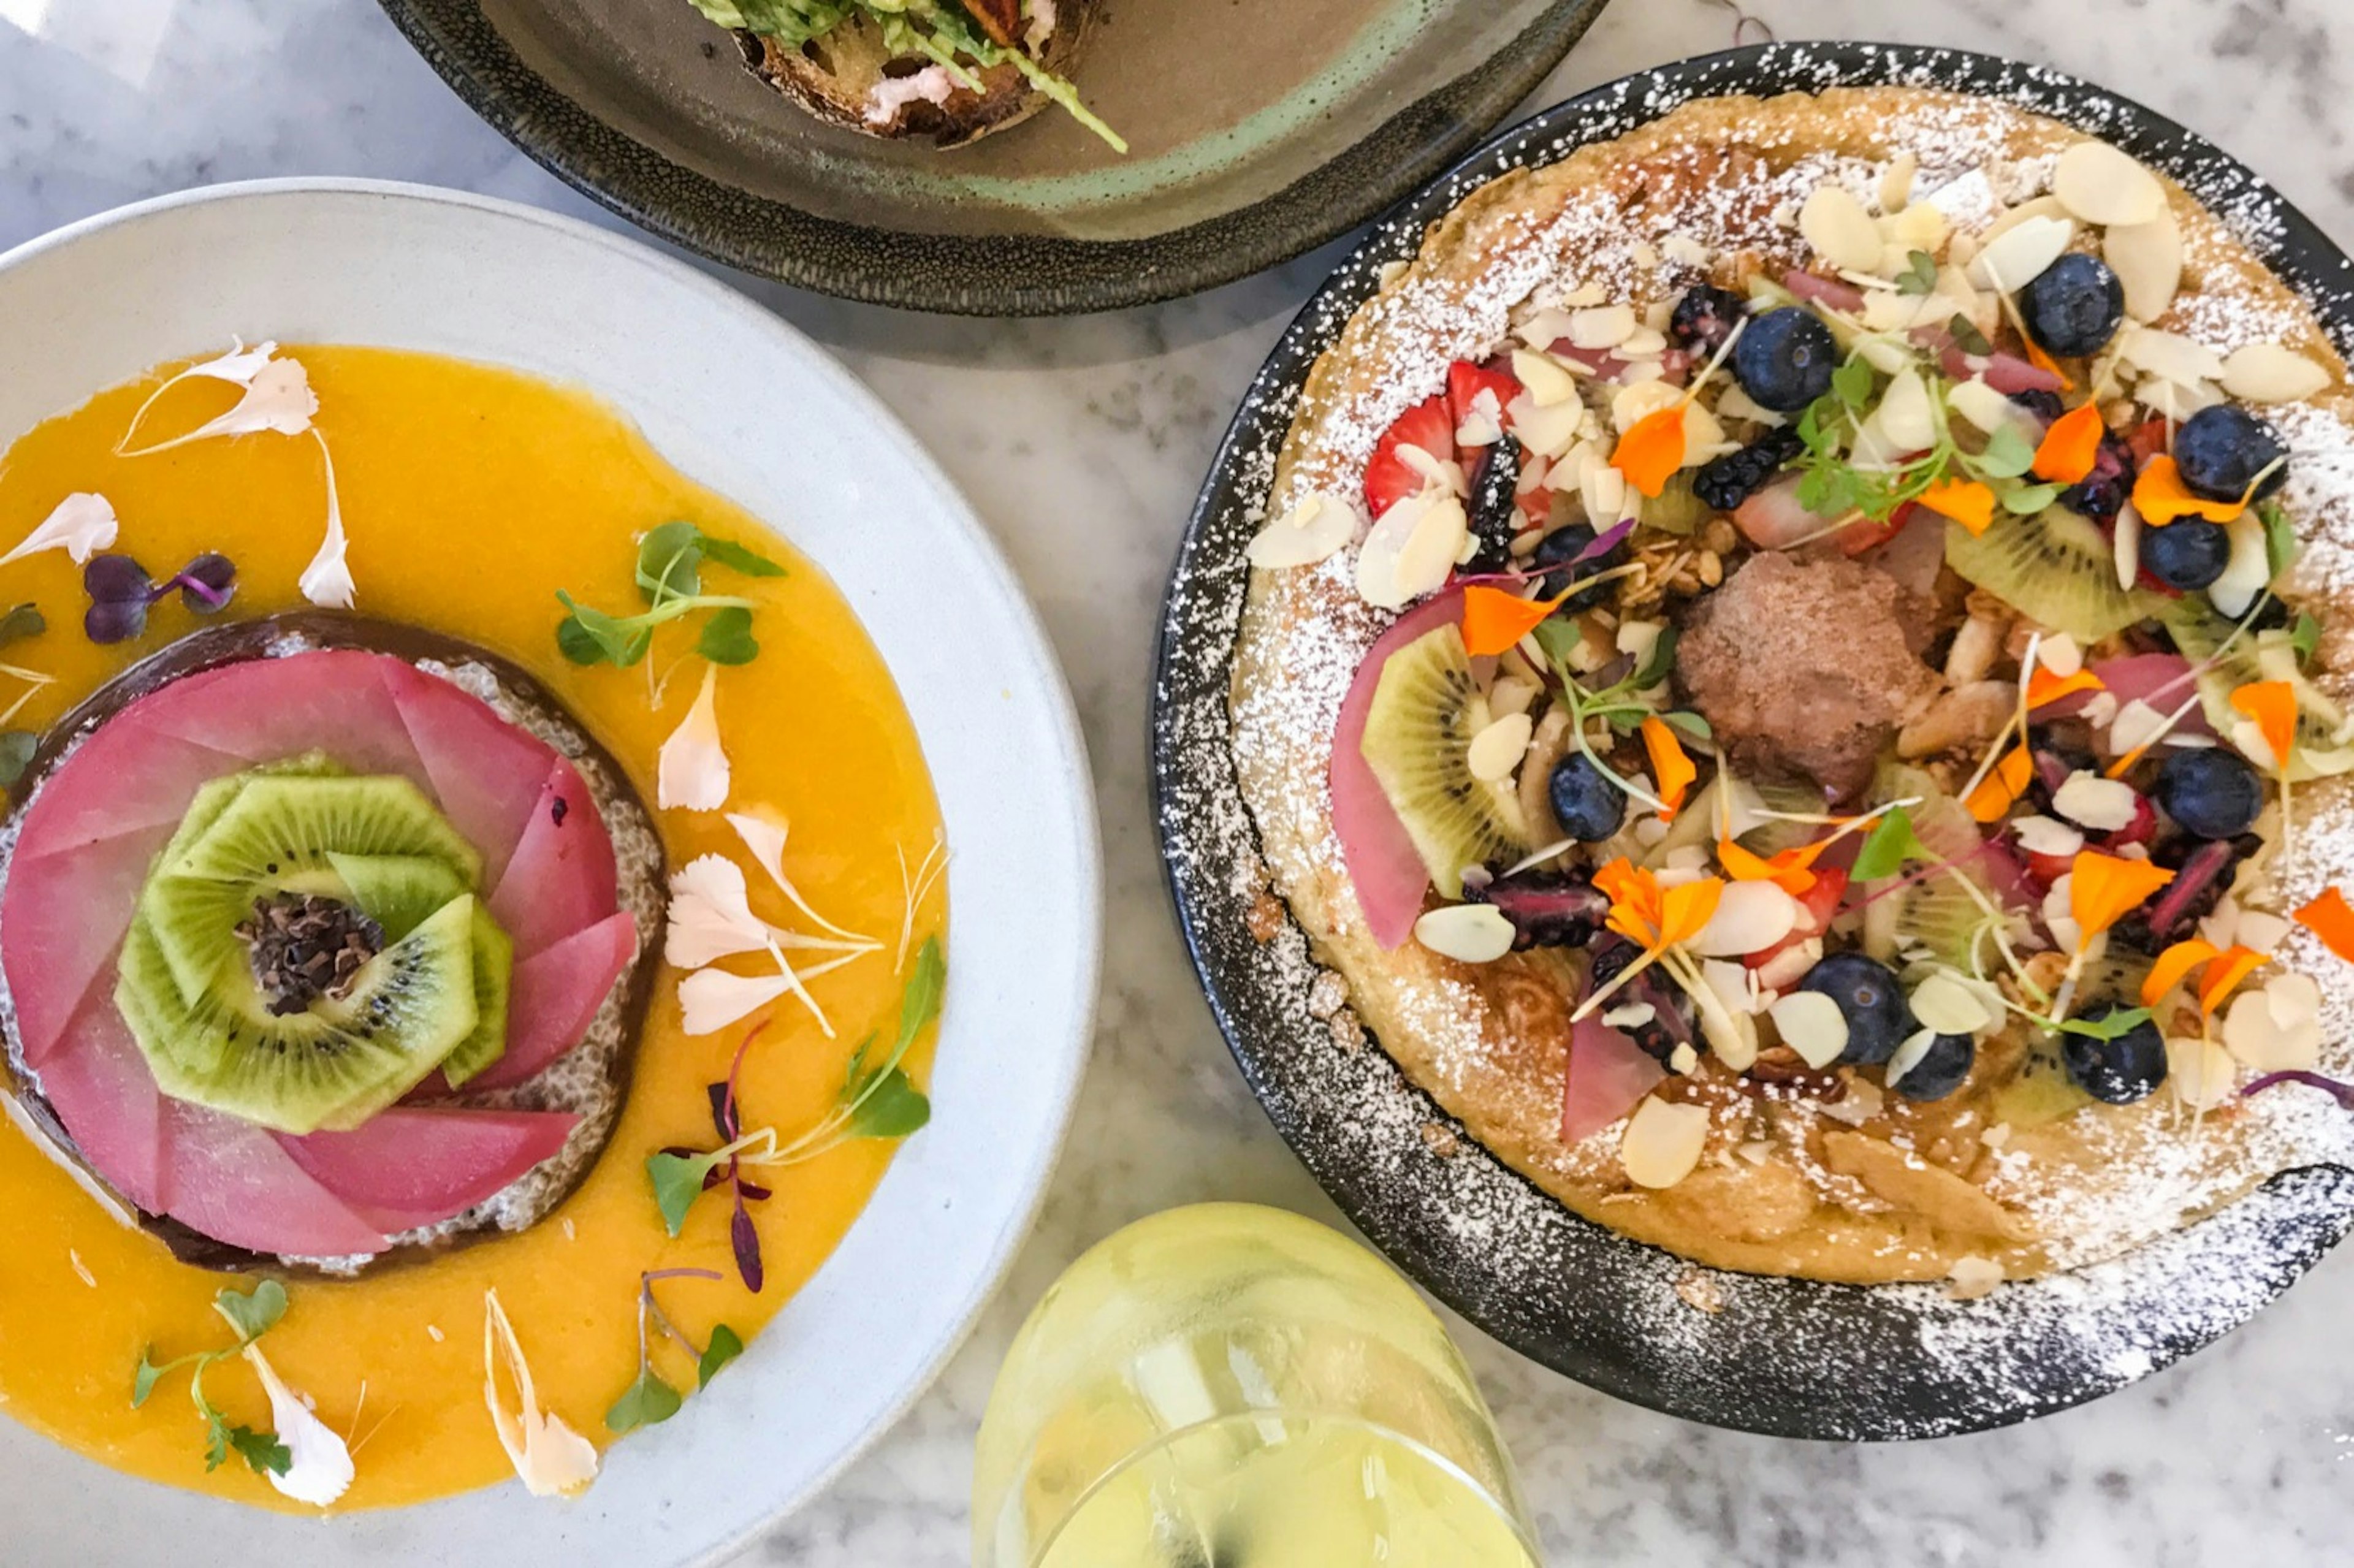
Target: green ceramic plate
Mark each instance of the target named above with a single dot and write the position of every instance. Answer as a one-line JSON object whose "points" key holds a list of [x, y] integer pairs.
{"points": [[1259, 129]]}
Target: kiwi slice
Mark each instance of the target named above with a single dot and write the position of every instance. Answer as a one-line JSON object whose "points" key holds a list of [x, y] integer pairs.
{"points": [[1426, 710], [333, 1065], [396, 891], [1938, 915], [493, 970], [276, 827], [2055, 566], [2323, 729]]}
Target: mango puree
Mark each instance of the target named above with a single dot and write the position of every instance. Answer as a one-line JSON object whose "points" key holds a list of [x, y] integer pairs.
{"points": [[470, 496]]}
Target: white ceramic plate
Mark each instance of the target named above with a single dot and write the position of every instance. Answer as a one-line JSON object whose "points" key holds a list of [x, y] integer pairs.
{"points": [[746, 405]]}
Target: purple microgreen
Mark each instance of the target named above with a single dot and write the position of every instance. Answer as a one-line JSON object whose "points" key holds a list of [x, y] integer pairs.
{"points": [[121, 593], [751, 1192], [2343, 1093], [744, 1237], [207, 584], [1609, 539]]}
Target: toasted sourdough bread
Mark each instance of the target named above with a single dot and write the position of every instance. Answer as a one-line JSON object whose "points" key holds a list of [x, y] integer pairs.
{"points": [[836, 77]]}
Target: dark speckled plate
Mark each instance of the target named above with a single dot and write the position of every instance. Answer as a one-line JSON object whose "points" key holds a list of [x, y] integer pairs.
{"points": [[1789, 1357], [1259, 129]]}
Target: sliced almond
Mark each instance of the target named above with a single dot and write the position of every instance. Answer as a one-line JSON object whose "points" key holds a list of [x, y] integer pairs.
{"points": [[1905, 418], [1602, 326], [1972, 1277], [1750, 917], [1543, 328], [2182, 360], [1920, 228], [1663, 1142], [1496, 750], [2148, 260], [2019, 255], [1981, 406], [2099, 183], [2201, 1074], [2254, 1032], [1811, 1025], [1632, 405], [1632, 1015], [1545, 378], [1736, 403], [1896, 182], [2267, 373], [1410, 550], [2175, 401], [2126, 547], [2137, 724], [1319, 525], [1467, 933], [1547, 431], [2103, 805], [1510, 695], [1839, 229], [2250, 569], [2042, 835], [1944, 1005]]}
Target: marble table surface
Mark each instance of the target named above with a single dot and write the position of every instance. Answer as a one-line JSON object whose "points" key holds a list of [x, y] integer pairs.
{"points": [[1081, 442]]}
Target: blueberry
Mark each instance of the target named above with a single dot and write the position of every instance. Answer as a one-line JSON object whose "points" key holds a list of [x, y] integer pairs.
{"points": [[1563, 545], [1941, 1070], [2221, 450], [2045, 405], [2210, 792], [2270, 615], [2101, 494], [1588, 807], [1703, 318], [1724, 483], [1871, 1001], [2119, 1071], [1495, 504], [2073, 306], [1784, 360], [2188, 553]]}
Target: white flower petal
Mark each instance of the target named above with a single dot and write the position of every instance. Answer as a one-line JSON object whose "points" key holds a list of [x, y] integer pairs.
{"points": [[694, 774], [277, 397], [553, 1459], [765, 837], [327, 580], [711, 1000], [710, 914], [320, 1469], [82, 525]]}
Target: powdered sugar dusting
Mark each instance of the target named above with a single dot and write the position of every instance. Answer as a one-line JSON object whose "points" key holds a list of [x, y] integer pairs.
{"points": [[1777, 1354]]}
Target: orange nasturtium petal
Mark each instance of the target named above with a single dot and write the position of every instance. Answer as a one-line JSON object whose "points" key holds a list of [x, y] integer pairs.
{"points": [[1671, 768], [1998, 789], [1788, 869], [2172, 964], [2042, 361], [2103, 889], [1649, 453], [1965, 500], [1634, 901], [2332, 918], [1494, 621], [2071, 446], [1688, 906], [2272, 704], [2229, 967], [2161, 496], [2046, 687]]}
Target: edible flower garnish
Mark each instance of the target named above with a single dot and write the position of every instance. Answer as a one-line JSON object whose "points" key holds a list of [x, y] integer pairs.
{"points": [[327, 580], [121, 593], [2071, 446], [1671, 769], [877, 1099], [2173, 966], [693, 774], [1494, 621], [319, 1467], [669, 578], [2161, 496], [277, 397], [1992, 797], [1652, 449], [2103, 889], [1965, 500], [1653, 917], [81, 524], [653, 1398], [553, 1459], [1791, 870], [249, 1314], [2332, 918], [2272, 705], [711, 918], [2225, 973], [2047, 685]]}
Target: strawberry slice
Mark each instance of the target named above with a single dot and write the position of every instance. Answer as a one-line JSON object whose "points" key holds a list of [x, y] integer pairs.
{"points": [[1466, 381], [1816, 908], [2149, 439], [1430, 425], [1857, 538]]}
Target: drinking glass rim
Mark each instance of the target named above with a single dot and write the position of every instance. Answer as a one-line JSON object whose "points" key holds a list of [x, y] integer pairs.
{"points": [[1521, 1531]]}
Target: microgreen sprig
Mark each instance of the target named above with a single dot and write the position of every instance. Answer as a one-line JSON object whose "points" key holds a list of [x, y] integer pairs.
{"points": [[653, 1399], [669, 578], [249, 1315], [877, 1099], [1621, 705]]}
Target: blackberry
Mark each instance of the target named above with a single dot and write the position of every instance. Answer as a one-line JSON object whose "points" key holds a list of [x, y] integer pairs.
{"points": [[1547, 908], [2044, 405], [2101, 494], [1495, 504], [1704, 318], [1724, 483], [1670, 1024]]}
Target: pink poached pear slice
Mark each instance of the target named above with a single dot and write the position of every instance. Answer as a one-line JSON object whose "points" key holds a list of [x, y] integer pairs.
{"points": [[1608, 1077], [337, 700], [126, 778], [61, 918], [487, 773], [230, 1180], [100, 1088], [407, 1167], [561, 879], [556, 995], [1384, 869]]}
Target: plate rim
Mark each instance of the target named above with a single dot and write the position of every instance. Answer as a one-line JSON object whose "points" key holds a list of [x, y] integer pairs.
{"points": [[987, 275], [1077, 980], [1237, 483]]}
